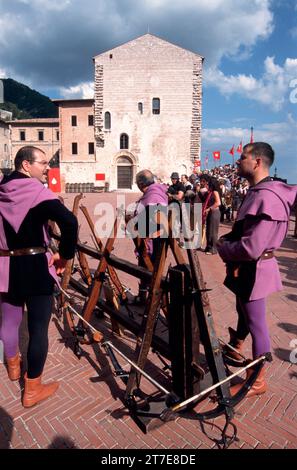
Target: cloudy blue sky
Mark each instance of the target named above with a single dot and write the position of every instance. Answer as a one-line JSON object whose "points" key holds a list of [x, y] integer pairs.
{"points": [[250, 50]]}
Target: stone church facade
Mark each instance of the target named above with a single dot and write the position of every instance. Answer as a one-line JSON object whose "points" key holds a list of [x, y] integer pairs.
{"points": [[146, 113], [147, 110]]}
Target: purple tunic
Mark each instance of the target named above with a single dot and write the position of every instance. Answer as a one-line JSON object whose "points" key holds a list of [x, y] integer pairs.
{"points": [[155, 194], [17, 197], [266, 212]]}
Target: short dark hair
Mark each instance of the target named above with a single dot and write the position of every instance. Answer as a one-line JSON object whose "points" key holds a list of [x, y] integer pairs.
{"points": [[206, 177], [211, 181], [261, 149], [25, 153], [145, 178]]}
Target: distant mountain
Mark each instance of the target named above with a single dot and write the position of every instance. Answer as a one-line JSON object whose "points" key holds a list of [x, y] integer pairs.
{"points": [[26, 103]]}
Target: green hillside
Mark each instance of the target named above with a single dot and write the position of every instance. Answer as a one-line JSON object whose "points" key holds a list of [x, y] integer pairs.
{"points": [[26, 103]]}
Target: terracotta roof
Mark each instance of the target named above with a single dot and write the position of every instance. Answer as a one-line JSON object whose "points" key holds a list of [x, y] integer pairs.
{"points": [[72, 99], [35, 120]]}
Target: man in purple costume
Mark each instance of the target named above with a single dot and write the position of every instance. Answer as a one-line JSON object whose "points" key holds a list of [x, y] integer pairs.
{"points": [[248, 251], [28, 270], [154, 196]]}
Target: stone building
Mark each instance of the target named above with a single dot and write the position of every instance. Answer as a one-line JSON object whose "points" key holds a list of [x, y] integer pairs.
{"points": [[77, 153], [5, 142], [148, 96], [42, 133]]}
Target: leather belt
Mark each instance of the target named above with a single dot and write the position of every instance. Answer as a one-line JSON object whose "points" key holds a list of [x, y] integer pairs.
{"points": [[23, 251], [267, 255]]}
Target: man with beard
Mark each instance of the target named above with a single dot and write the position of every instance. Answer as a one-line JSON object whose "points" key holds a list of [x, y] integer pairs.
{"points": [[28, 269]]}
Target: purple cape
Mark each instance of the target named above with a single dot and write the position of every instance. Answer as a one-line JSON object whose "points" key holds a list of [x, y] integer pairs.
{"points": [[273, 199], [265, 211], [155, 194], [17, 197]]}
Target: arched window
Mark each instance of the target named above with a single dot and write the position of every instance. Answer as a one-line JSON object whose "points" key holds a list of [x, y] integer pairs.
{"points": [[107, 120], [124, 141], [140, 108], [124, 161], [156, 105]]}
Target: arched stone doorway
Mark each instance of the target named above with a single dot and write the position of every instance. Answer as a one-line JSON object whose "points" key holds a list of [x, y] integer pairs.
{"points": [[124, 172]]}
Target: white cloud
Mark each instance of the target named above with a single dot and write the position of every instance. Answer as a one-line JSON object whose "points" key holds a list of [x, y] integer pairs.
{"points": [[271, 89], [3, 73], [281, 135], [55, 5], [52, 41], [83, 90], [219, 135]]}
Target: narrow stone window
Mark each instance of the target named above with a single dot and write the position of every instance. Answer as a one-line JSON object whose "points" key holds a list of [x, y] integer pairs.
{"points": [[22, 135], [40, 135], [124, 141], [107, 121], [74, 148], [140, 108], [156, 105], [91, 148], [91, 119], [74, 121]]}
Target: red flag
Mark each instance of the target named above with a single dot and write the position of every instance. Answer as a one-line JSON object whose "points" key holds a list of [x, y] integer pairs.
{"points": [[252, 135], [216, 155], [239, 148], [231, 151]]}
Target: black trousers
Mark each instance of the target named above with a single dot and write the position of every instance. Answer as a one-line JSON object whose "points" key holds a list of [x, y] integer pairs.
{"points": [[39, 308], [39, 314]]}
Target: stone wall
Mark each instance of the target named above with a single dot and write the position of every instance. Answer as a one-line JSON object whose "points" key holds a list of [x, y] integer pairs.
{"points": [[137, 72], [77, 172], [50, 144], [5, 148], [196, 126], [80, 167]]}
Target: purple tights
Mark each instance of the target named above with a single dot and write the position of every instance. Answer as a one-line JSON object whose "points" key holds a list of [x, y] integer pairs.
{"points": [[252, 319], [39, 309], [9, 330]]}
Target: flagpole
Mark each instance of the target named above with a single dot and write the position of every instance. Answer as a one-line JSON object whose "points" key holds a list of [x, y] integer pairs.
{"points": [[231, 151]]}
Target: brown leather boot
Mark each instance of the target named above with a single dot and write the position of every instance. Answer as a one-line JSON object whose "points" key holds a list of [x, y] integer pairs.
{"points": [[236, 343], [35, 391], [14, 367], [258, 388]]}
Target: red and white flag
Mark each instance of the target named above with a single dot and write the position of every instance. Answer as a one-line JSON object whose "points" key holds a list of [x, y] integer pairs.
{"points": [[216, 155], [231, 151], [239, 148]]}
